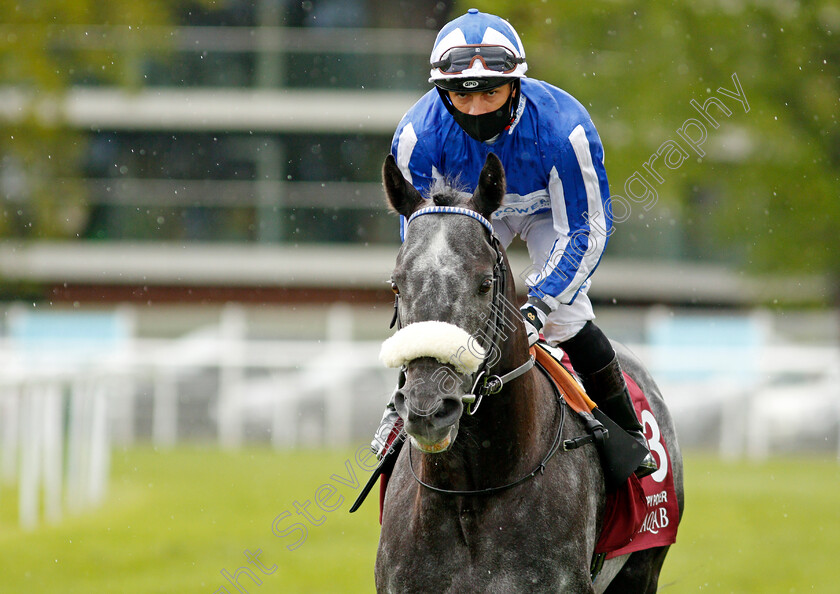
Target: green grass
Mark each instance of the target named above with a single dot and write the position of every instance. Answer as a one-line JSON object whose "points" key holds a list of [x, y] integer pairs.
{"points": [[174, 520], [758, 527]]}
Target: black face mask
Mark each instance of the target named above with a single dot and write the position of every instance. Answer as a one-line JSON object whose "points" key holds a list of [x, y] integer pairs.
{"points": [[485, 126]]}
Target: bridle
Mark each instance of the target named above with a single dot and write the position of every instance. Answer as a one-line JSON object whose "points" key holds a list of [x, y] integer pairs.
{"points": [[483, 382]]}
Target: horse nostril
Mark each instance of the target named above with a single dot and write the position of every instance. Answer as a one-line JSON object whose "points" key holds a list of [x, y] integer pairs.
{"points": [[448, 412]]}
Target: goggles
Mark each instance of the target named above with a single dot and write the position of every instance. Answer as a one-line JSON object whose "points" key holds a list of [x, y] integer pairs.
{"points": [[495, 58]]}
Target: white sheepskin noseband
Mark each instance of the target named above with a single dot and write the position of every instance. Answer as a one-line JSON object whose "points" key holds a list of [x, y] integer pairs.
{"points": [[445, 342]]}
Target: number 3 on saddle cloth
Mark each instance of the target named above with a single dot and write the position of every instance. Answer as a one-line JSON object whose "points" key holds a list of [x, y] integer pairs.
{"points": [[642, 513], [639, 514]]}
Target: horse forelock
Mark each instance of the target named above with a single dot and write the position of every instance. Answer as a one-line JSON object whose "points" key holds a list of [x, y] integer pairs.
{"points": [[448, 199], [449, 192]]}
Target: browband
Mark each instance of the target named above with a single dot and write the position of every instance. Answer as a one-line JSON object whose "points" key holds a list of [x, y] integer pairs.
{"points": [[452, 210]]}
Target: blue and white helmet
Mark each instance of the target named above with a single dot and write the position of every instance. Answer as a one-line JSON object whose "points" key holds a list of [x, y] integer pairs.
{"points": [[476, 52]]}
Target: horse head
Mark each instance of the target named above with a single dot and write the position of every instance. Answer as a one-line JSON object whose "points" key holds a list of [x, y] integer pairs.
{"points": [[447, 277]]}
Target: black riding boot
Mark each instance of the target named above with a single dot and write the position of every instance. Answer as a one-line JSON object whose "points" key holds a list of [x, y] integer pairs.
{"points": [[609, 391]]}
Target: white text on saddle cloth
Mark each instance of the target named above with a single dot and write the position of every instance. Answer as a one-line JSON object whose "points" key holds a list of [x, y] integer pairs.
{"points": [[661, 519]]}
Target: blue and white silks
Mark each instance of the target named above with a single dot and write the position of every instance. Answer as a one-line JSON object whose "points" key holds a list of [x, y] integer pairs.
{"points": [[553, 160]]}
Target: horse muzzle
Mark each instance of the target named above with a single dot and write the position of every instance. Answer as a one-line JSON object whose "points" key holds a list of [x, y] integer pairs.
{"points": [[437, 447], [430, 415], [438, 358]]}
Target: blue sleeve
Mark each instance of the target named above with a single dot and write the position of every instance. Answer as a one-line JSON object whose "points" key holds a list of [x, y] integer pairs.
{"points": [[579, 194], [413, 158]]}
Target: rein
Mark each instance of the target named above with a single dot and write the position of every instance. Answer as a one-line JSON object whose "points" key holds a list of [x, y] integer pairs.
{"points": [[555, 447]]}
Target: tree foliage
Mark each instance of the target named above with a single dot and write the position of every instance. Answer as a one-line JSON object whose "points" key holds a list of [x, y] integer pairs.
{"points": [[46, 46], [765, 192]]}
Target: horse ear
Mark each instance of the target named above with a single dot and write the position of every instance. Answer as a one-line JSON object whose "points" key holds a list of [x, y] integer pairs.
{"points": [[402, 196], [490, 192]]}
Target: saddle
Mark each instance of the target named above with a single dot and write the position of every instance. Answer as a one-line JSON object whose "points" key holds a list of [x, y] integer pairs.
{"points": [[620, 454], [551, 361], [638, 513]]}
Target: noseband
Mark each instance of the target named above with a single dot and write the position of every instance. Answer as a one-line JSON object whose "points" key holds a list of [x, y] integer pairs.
{"points": [[483, 382]]}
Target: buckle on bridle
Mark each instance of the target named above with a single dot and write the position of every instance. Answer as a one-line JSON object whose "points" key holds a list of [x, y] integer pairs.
{"points": [[484, 385], [476, 394], [492, 385]]}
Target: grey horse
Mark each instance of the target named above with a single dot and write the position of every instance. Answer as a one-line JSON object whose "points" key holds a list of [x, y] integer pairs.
{"points": [[539, 535]]}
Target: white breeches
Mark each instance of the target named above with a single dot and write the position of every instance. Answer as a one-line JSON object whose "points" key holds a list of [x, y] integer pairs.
{"points": [[538, 233]]}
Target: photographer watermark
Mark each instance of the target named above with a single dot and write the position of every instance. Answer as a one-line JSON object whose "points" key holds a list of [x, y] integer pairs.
{"points": [[294, 524], [673, 154], [639, 188]]}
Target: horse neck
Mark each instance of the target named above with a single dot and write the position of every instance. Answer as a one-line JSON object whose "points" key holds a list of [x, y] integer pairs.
{"points": [[511, 420]]}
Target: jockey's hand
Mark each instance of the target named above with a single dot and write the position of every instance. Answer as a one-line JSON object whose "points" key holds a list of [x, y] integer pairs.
{"points": [[534, 312], [388, 431]]}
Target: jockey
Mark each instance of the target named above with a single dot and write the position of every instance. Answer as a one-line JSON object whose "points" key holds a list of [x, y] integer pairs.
{"points": [[557, 193]]}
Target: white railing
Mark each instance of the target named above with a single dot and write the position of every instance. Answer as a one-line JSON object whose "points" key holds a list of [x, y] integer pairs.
{"points": [[60, 416], [59, 422], [784, 397]]}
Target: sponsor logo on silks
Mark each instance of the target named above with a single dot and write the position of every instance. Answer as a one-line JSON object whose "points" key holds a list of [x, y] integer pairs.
{"points": [[514, 209], [470, 84], [657, 499]]}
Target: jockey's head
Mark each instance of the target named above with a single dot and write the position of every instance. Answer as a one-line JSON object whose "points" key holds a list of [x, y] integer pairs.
{"points": [[477, 62]]}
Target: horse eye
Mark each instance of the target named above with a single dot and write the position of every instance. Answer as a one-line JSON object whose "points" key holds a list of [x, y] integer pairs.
{"points": [[395, 288], [486, 285]]}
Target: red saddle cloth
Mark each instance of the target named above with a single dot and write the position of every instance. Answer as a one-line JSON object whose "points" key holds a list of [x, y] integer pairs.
{"points": [[643, 514]]}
